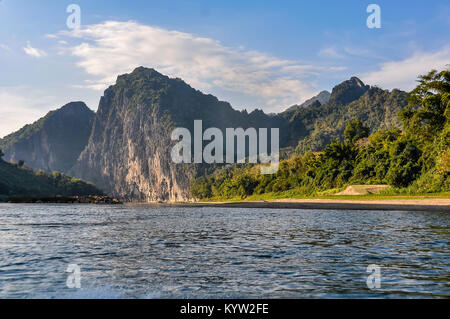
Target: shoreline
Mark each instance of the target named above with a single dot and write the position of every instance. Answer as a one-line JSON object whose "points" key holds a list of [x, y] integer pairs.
{"points": [[86, 199], [427, 205]]}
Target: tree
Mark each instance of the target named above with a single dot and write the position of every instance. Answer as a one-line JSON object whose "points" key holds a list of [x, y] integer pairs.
{"points": [[404, 167], [1, 153], [415, 158], [427, 112], [337, 151], [354, 131], [427, 118]]}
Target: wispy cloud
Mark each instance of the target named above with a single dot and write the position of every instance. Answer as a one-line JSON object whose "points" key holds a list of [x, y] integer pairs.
{"points": [[403, 74], [330, 52], [347, 52], [112, 48], [34, 52]]}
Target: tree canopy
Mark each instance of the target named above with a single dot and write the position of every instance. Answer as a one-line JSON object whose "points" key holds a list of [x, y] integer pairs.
{"points": [[413, 159]]}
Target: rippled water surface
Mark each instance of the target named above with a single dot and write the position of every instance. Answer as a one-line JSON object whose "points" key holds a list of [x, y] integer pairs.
{"points": [[173, 252]]}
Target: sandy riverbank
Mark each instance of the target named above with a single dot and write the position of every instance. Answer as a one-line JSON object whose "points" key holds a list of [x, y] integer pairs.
{"points": [[400, 204], [430, 204]]}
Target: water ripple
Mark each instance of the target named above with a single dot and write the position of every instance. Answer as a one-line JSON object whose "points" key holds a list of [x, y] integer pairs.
{"points": [[156, 252]]}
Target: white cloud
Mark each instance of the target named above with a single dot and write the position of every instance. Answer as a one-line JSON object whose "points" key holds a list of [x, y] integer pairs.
{"points": [[112, 48], [34, 52], [330, 52], [51, 36], [403, 74], [346, 52]]}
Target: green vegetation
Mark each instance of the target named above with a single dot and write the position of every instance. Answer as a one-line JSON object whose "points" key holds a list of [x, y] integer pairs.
{"points": [[413, 158], [17, 181], [295, 194], [312, 128], [25, 132], [54, 142]]}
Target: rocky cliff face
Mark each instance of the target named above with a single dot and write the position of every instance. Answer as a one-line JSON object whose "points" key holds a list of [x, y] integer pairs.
{"points": [[126, 146], [54, 142], [128, 154]]}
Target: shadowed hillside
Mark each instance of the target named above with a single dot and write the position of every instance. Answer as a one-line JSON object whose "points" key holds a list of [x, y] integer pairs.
{"points": [[18, 180], [54, 142]]}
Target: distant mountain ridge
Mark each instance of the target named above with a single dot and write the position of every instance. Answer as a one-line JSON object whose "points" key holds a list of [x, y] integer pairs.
{"points": [[313, 127], [125, 147], [54, 142], [322, 97]]}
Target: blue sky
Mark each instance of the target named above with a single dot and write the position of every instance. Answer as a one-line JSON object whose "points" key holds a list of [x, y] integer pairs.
{"points": [[254, 54]]}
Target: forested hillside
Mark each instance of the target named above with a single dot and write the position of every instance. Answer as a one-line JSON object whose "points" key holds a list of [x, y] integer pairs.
{"points": [[313, 127], [16, 179], [414, 158], [54, 142]]}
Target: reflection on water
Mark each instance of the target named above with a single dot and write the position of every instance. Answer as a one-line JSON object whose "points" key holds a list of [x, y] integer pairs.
{"points": [[161, 252]]}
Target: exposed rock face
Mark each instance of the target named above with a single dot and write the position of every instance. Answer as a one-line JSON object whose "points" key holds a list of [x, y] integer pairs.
{"points": [[126, 146], [128, 155], [54, 142]]}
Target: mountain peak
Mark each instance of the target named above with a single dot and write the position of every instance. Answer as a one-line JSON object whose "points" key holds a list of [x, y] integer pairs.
{"points": [[54, 142], [74, 107], [75, 104], [148, 71], [348, 91], [140, 73], [356, 81]]}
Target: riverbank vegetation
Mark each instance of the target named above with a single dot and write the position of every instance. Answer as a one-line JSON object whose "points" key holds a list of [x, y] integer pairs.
{"points": [[412, 160], [17, 180]]}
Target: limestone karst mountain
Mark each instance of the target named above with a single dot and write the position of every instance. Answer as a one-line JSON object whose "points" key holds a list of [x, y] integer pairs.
{"points": [[125, 147], [128, 154], [54, 142]]}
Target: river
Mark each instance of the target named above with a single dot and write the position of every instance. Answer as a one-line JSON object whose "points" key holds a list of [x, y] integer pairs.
{"points": [[147, 251]]}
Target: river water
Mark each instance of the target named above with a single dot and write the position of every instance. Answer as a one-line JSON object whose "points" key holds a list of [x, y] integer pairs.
{"points": [[175, 252]]}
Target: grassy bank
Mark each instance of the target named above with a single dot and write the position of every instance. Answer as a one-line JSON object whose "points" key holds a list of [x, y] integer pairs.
{"points": [[294, 194]]}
